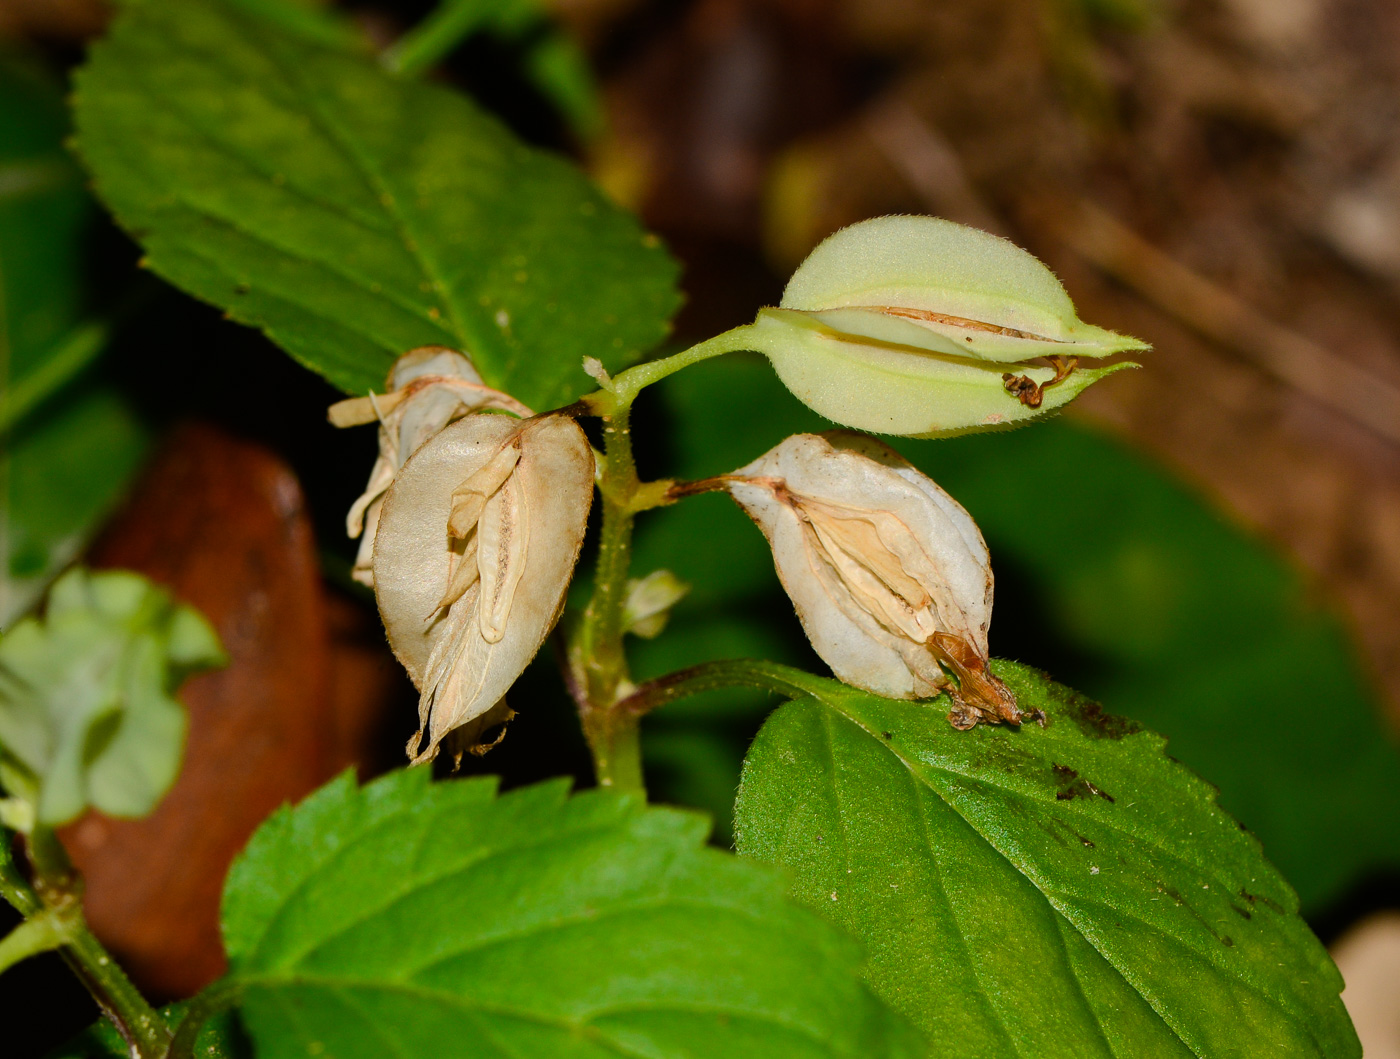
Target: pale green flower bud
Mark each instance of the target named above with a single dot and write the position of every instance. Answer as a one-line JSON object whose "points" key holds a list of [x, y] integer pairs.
{"points": [[649, 602], [921, 327]]}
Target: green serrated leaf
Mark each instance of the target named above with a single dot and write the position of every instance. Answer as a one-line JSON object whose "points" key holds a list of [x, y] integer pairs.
{"points": [[352, 214], [1113, 575], [87, 716], [437, 920], [1059, 891]]}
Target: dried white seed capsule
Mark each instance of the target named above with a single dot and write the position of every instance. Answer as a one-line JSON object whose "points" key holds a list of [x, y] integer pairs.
{"points": [[889, 575], [922, 327], [428, 388], [477, 541]]}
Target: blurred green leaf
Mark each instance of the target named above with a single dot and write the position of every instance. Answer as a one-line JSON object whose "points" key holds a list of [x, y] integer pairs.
{"points": [[60, 473], [439, 920], [63, 461], [1111, 575], [352, 214], [87, 716], [43, 211], [554, 63], [1059, 891]]}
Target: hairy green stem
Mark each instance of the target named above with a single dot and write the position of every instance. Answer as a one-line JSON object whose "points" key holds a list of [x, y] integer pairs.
{"points": [[612, 736], [597, 661], [57, 889]]}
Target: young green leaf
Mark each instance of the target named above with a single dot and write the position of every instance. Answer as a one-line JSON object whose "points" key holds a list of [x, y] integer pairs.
{"points": [[437, 920], [87, 716], [354, 215], [1067, 891]]}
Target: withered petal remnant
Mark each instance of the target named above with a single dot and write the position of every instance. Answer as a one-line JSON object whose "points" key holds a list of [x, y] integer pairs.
{"points": [[428, 388]]}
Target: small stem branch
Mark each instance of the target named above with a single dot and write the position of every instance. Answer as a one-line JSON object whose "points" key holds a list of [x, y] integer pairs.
{"points": [[42, 932], [433, 39], [625, 386], [218, 998], [739, 672], [74, 352]]}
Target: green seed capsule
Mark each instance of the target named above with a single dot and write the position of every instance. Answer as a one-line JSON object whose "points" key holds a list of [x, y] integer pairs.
{"points": [[921, 327]]}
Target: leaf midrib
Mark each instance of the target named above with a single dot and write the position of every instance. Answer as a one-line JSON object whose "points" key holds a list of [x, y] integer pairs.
{"points": [[356, 162], [996, 1017], [379, 187]]}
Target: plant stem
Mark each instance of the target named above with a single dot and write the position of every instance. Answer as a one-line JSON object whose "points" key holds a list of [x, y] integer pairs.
{"points": [[596, 660], [626, 385], [217, 998], [738, 672], [433, 39], [612, 736], [58, 888], [74, 352], [42, 932]]}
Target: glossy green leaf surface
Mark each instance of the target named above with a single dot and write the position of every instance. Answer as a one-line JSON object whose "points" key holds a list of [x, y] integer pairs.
{"points": [[87, 713], [1110, 574], [352, 214], [1059, 891], [439, 920]]}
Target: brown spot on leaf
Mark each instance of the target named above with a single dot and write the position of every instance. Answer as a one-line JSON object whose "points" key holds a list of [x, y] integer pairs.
{"points": [[1075, 786]]}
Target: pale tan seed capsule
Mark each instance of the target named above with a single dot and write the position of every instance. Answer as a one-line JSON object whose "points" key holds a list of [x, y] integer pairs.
{"points": [[889, 575], [428, 388], [477, 542]]}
